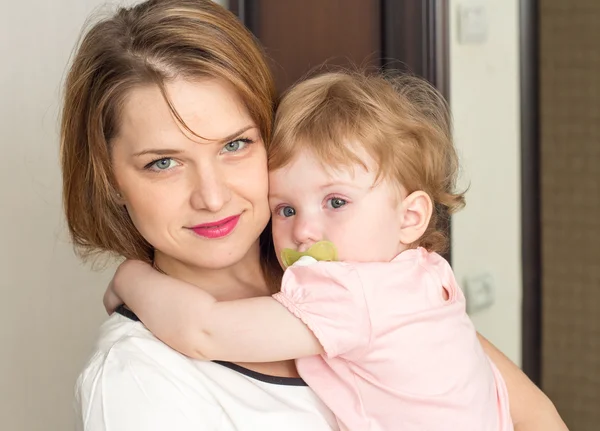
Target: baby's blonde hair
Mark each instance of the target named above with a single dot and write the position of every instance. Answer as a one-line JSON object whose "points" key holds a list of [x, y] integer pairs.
{"points": [[402, 122]]}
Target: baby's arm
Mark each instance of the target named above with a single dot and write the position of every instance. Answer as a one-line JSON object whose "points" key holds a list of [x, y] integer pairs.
{"points": [[191, 321]]}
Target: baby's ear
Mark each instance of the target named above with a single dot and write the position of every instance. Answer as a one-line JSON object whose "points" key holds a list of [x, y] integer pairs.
{"points": [[417, 208]]}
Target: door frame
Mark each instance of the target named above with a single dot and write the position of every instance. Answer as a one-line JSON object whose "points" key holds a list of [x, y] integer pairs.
{"points": [[427, 25], [531, 322]]}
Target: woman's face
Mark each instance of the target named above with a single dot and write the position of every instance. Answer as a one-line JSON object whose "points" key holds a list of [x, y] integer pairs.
{"points": [[200, 201]]}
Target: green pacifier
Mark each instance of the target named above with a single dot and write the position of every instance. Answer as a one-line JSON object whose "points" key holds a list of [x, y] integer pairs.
{"points": [[322, 250]]}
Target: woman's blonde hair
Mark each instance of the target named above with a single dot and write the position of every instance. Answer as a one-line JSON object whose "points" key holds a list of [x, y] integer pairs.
{"points": [[151, 43], [402, 122]]}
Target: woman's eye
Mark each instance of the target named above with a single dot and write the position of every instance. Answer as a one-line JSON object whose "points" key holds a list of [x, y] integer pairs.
{"points": [[287, 212], [235, 146], [336, 203], [163, 164]]}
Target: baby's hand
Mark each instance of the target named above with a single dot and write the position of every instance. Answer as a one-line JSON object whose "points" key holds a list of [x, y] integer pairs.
{"points": [[112, 299]]}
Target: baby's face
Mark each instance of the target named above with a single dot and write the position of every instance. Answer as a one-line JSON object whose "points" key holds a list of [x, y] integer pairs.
{"points": [[310, 203]]}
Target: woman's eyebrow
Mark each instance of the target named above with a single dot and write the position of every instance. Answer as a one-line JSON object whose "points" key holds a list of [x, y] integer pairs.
{"points": [[229, 138], [166, 151], [158, 152]]}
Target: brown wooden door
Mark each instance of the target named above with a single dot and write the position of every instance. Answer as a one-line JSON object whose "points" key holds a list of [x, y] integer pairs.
{"points": [[301, 35]]}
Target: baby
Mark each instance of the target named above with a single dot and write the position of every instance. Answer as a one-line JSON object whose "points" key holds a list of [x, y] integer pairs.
{"points": [[362, 172]]}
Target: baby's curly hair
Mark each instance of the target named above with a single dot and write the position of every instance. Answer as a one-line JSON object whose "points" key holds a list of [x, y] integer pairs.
{"points": [[402, 122]]}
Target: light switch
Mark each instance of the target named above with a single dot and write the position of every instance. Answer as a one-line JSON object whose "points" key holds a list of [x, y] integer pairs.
{"points": [[472, 22], [479, 292]]}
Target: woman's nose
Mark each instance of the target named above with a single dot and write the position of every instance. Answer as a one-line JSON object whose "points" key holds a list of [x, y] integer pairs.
{"points": [[209, 189]]}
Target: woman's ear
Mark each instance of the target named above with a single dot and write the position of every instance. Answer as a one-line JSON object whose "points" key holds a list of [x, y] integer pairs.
{"points": [[417, 208], [119, 198]]}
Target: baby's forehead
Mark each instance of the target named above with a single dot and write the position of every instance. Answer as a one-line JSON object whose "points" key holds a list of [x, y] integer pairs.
{"points": [[348, 156], [310, 165], [306, 173]]}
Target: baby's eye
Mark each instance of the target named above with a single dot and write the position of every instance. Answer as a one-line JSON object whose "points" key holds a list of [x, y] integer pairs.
{"points": [[286, 211], [336, 203]]}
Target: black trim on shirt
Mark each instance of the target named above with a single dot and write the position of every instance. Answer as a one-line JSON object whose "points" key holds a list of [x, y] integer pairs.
{"points": [[126, 312], [274, 380]]}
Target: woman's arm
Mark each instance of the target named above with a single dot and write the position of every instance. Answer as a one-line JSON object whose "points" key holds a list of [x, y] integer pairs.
{"points": [[192, 322], [530, 408]]}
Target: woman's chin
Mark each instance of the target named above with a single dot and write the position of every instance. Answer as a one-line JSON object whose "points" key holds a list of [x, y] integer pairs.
{"points": [[216, 261], [214, 255]]}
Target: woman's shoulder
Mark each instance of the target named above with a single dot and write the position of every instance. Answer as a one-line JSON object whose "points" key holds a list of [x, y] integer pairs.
{"points": [[131, 374], [121, 336], [125, 348]]}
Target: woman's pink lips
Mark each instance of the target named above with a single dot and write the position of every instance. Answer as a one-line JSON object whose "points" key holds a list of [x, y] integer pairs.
{"points": [[217, 229]]}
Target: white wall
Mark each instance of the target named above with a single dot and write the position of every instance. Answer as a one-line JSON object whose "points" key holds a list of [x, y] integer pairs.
{"points": [[51, 304], [485, 103]]}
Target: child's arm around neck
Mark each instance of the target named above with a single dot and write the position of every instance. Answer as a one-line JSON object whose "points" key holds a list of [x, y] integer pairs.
{"points": [[192, 322]]}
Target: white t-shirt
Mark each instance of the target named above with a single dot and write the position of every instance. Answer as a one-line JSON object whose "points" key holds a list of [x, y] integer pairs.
{"points": [[134, 382]]}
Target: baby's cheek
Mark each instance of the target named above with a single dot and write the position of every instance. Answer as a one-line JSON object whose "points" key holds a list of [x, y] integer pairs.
{"points": [[348, 250], [280, 239], [358, 247]]}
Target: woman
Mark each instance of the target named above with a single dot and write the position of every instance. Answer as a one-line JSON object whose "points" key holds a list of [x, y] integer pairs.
{"points": [[167, 108]]}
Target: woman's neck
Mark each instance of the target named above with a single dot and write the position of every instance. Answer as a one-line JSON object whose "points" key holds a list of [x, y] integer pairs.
{"points": [[244, 279]]}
